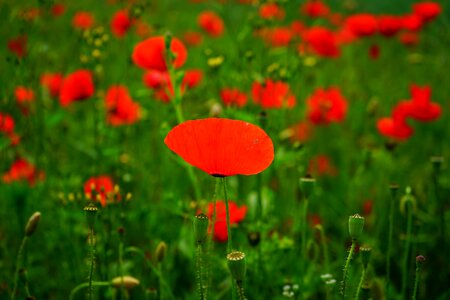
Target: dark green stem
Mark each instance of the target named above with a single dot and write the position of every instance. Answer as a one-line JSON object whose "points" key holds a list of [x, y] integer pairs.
{"points": [[346, 267], [91, 269], [406, 254], [326, 260], [122, 288], [416, 283], [199, 263], [18, 265], [361, 281], [230, 241], [389, 245], [89, 285], [240, 290]]}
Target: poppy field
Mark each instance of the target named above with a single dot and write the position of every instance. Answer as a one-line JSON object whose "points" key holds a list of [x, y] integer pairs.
{"points": [[228, 149]]}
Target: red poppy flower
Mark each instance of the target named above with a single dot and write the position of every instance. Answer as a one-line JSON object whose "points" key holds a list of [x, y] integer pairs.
{"points": [[237, 214], [389, 25], [279, 36], [273, 94], [301, 132], [7, 125], [222, 147], [409, 39], [79, 85], [322, 41], [52, 82], [83, 20], [18, 45], [150, 54], [192, 38], [24, 95], [315, 9], [99, 188], [321, 165], [142, 29], [297, 28], [22, 170], [374, 52], [395, 127], [421, 107], [362, 24], [326, 106], [58, 9], [233, 97], [192, 78], [427, 11], [120, 23], [367, 207], [122, 110], [271, 11], [412, 22], [211, 23], [155, 79]]}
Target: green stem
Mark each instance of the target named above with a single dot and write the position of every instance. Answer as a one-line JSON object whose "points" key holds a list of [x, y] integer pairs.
{"points": [[89, 285], [160, 282], [346, 267], [416, 283], [389, 245], [199, 263], [406, 254], [18, 263], [210, 244], [230, 241], [240, 290], [304, 227], [361, 281], [326, 259], [91, 269], [122, 288]]}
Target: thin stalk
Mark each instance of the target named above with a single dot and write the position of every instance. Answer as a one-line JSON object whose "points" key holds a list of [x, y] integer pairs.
{"points": [[199, 263], [407, 250], [346, 267], [122, 288], [18, 263], [87, 285], [91, 269], [389, 245], [160, 282], [240, 290], [326, 259], [230, 241], [361, 281], [416, 282], [304, 227]]}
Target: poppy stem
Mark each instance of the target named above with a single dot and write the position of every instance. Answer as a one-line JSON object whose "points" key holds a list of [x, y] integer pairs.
{"points": [[346, 267], [18, 263], [389, 243], [91, 269], [85, 285], [406, 254], [225, 194], [361, 281]]}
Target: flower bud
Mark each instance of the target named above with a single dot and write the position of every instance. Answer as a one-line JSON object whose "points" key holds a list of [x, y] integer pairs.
{"points": [[236, 265], [127, 282], [160, 252], [365, 255], [307, 185], [254, 238], [355, 225], [420, 260], [201, 223], [91, 212], [32, 224]]}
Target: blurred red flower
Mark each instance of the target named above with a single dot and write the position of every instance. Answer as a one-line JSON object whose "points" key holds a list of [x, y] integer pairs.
{"points": [[427, 11], [150, 53], [301, 132], [421, 107], [409, 39], [121, 109], [315, 9], [233, 97], [58, 9], [52, 82], [78, 85], [22, 170], [412, 22], [362, 24], [83, 20], [321, 165], [395, 127], [18, 46], [23, 95], [389, 25], [120, 23], [374, 52], [271, 11], [326, 106], [192, 38], [322, 41], [211, 23], [99, 188], [273, 94], [7, 125], [237, 214], [279, 36], [222, 147]]}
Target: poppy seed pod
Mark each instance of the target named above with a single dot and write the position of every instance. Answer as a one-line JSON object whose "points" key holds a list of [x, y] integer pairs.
{"points": [[355, 226], [128, 282], [365, 255], [160, 252], [91, 212], [236, 265], [307, 185], [394, 188], [32, 224], [201, 223]]}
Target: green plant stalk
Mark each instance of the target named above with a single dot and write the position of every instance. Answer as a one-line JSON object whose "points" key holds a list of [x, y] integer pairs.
{"points": [[416, 283], [160, 282], [240, 290], [18, 263], [407, 250], [326, 258], [361, 281], [346, 267], [87, 285], [389, 245], [199, 262], [440, 209], [122, 289], [304, 227], [91, 269], [210, 244], [230, 241]]}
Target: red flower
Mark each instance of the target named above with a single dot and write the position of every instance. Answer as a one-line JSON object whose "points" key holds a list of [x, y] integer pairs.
{"points": [[362, 24], [192, 38], [7, 127], [211, 23], [427, 11], [150, 54], [326, 106], [321, 165], [23, 95], [120, 23], [315, 9], [122, 110], [297, 28], [279, 36], [409, 39], [222, 147], [421, 107], [155, 79], [77, 86], [237, 214], [301, 132], [18, 46], [271, 11], [367, 207], [52, 82], [58, 9], [273, 94], [22, 170], [99, 188], [322, 41], [83, 20], [412, 22], [374, 52], [389, 25], [192, 78], [396, 127], [233, 97]]}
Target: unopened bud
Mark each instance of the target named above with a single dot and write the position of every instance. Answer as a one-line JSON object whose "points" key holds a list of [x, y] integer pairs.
{"points": [[32, 224], [127, 282], [160, 252], [236, 265], [201, 223], [355, 225], [420, 260]]}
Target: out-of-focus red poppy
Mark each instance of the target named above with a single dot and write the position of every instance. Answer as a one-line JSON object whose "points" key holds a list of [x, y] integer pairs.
{"points": [[58, 9], [271, 11], [389, 25], [279, 36], [374, 51], [150, 53], [7, 125], [314, 220], [211, 23], [409, 39], [23, 95], [99, 188], [395, 127], [30, 13], [237, 214], [142, 29], [273, 94], [18, 46], [367, 207], [122, 110], [192, 38], [52, 82], [427, 11], [326, 106], [421, 107], [83, 20], [22, 170], [222, 147], [78, 85], [362, 24], [301, 132], [192, 78], [321, 165], [315, 9], [155, 79], [322, 41], [120, 23], [412, 22], [297, 28], [233, 97]]}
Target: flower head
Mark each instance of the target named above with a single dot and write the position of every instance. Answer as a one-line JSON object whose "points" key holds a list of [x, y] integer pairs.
{"points": [[326, 106], [120, 23], [273, 94], [211, 23], [99, 188], [77, 86], [122, 110], [237, 214]]}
